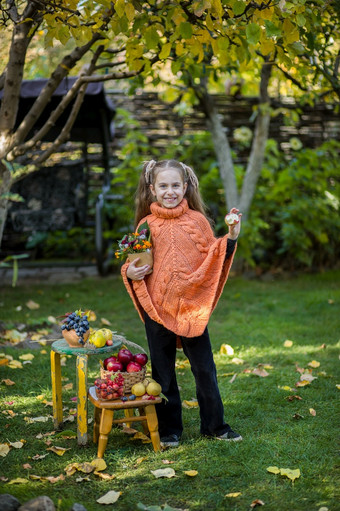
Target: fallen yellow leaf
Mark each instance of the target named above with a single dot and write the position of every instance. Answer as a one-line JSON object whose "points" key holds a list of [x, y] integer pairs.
{"points": [[288, 343], [27, 356], [16, 445], [233, 495], [193, 403], [260, 372], [191, 473], [164, 472], [338, 386], [68, 386], [4, 362], [4, 450], [312, 412], [60, 451], [43, 352], [273, 470], [257, 502], [32, 305], [99, 464], [314, 364], [105, 321], [226, 349], [15, 364], [292, 474], [105, 477], [140, 436], [18, 480], [36, 337], [110, 497], [237, 361]]}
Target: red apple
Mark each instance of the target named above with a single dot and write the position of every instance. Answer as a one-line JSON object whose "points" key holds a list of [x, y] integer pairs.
{"points": [[109, 342], [133, 367], [125, 356], [140, 358], [109, 359], [114, 366]]}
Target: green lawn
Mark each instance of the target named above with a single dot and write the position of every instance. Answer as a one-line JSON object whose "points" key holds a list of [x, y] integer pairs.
{"points": [[255, 318]]}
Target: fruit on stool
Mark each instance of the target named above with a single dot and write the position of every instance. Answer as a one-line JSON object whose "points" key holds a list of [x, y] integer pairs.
{"points": [[133, 367], [138, 389], [97, 338], [153, 389], [76, 323], [107, 334], [140, 358], [231, 219], [124, 356]]}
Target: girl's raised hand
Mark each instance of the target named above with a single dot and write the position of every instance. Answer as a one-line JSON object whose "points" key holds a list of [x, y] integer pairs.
{"points": [[137, 273], [234, 229]]}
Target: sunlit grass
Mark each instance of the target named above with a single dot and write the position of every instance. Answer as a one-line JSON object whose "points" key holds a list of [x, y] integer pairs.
{"points": [[255, 318]]}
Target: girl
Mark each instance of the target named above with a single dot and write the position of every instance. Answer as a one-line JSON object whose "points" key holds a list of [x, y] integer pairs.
{"points": [[176, 299]]}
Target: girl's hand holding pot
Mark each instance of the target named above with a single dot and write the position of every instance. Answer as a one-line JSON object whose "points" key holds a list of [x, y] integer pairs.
{"points": [[137, 273]]}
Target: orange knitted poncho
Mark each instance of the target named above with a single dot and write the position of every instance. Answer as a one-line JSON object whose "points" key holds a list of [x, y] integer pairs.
{"points": [[189, 270]]}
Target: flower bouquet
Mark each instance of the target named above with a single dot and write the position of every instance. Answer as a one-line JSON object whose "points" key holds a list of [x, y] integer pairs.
{"points": [[136, 245]]}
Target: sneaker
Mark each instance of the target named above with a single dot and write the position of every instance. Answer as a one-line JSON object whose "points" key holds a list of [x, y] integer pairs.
{"points": [[170, 441], [230, 436]]}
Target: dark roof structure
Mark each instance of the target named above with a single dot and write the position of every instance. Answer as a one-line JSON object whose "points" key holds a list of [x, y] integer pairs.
{"points": [[94, 120]]}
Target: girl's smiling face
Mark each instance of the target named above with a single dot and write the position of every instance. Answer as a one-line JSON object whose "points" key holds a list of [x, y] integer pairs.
{"points": [[169, 188]]}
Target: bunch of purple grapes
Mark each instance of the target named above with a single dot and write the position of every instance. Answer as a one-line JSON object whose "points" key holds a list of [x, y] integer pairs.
{"points": [[78, 323]]}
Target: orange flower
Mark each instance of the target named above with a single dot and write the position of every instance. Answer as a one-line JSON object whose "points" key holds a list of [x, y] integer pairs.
{"points": [[147, 244], [138, 246]]}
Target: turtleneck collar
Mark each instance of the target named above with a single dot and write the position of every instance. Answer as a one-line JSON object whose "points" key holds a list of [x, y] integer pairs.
{"points": [[161, 212]]}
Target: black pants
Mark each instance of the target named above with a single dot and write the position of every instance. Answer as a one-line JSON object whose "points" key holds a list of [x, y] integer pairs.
{"points": [[162, 346]]}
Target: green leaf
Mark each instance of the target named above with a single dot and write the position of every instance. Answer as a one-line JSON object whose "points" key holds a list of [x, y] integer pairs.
{"points": [[271, 29], [151, 38], [238, 7], [14, 197], [300, 20], [253, 33], [165, 52], [185, 30]]}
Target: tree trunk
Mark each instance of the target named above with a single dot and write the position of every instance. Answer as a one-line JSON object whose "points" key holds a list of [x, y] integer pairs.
{"points": [[258, 147], [5, 187], [221, 145]]}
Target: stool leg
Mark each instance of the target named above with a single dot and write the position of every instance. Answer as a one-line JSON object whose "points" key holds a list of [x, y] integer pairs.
{"points": [[104, 430], [97, 417], [82, 399], [151, 417], [128, 412], [56, 389]]}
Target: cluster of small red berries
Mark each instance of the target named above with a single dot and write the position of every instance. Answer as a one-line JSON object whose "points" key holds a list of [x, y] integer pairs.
{"points": [[110, 388]]}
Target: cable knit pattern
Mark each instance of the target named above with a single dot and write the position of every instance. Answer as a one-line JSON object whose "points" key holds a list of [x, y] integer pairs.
{"points": [[189, 270]]}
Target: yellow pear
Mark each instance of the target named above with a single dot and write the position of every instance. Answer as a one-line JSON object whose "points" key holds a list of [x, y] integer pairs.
{"points": [[153, 389], [138, 389], [107, 333], [97, 339]]}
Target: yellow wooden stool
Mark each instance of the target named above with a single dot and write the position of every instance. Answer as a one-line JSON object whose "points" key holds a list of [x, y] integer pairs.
{"points": [[104, 418], [59, 348]]}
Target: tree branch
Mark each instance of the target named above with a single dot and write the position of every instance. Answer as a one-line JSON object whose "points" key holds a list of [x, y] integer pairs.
{"points": [[291, 78]]}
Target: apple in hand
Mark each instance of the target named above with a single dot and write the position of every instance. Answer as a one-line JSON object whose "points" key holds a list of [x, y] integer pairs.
{"points": [[140, 358], [133, 367], [125, 356], [231, 219]]}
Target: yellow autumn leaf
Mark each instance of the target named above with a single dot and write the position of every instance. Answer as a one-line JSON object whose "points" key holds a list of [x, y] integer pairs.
{"points": [[237, 361], [292, 474], [141, 459], [273, 470], [163, 472], [91, 316], [338, 386], [4, 450], [105, 477], [14, 336], [233, 495], [314, 364], [99, 464], [18, 480], [302, 383], [260, 372], [312, 412], [140, 436], [191, 473], [43, 352], [68, 386], [226, 349], [110, 497], [32, 305], [60, 451], [36, 337], [105, 321], [307, 377], [17, 445], [288, 343], [15, 364], [190, 404], [285, 387], [4, 362], [27, 356]]}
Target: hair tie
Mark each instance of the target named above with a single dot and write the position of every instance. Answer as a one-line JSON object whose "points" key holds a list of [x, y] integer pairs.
{"points": [[148, 169], [190, 175]]}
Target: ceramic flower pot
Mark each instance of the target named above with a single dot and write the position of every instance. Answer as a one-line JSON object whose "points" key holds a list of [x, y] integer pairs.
{"points": [[145, 258], [71, 338]]}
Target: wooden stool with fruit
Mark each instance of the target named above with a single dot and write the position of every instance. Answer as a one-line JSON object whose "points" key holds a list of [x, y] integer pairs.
{"points": [[123, 386]]}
